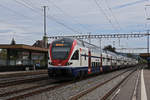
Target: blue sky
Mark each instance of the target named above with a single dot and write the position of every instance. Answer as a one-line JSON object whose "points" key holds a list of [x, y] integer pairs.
{"points": [[23, 19]]}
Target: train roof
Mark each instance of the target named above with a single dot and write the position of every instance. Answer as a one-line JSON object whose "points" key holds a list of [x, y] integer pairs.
{"points": [[90, 46]]}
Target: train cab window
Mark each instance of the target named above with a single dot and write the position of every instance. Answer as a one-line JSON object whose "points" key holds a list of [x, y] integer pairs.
{"points": [[75, 55]]}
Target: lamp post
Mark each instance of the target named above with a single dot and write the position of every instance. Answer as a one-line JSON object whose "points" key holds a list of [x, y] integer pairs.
{"points": [[148, 62]]}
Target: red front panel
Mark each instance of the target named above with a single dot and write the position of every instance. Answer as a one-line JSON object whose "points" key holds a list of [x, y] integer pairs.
{"points": [[62, 62]]}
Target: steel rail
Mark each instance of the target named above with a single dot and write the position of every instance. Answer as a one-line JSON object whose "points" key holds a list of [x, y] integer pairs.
{"points": [[44, 89], [23, 90], [35, 92], [84, 92], [105, 97], [21, 81]]}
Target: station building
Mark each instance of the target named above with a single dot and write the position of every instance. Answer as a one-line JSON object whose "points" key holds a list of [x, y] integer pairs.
{"points": [[15, 57]]}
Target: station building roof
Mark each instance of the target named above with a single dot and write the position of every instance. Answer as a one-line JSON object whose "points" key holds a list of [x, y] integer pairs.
{"points": [[23, 47]]}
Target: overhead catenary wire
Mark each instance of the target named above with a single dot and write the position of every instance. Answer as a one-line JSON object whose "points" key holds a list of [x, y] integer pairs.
{"points": [[15, 12], [26, 5], [65, 13], [113, 15], [28, 2], [105, 15], [49, 17], [147, 18], [109, 20], [54, 19]]}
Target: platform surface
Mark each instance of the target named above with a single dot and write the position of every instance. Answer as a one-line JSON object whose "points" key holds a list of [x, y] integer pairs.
{"points": [[146, 74], [16, 73]]}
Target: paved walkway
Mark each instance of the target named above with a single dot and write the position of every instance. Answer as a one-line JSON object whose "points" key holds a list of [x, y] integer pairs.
{"points": [[146, 75]]}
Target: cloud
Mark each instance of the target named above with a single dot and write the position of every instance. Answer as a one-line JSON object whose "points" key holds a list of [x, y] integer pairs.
{"points": [[81, 15]]}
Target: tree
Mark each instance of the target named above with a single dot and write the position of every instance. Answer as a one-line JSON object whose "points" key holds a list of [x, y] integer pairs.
{"points": [[13, 42], [110, 48]]}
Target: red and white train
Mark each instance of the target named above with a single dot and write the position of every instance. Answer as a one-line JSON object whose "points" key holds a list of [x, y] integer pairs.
{"points": [[72, 58]]}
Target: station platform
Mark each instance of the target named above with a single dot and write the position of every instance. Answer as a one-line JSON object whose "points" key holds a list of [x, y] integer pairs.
{"points": [[21, 73], [145, 91], [136, 87]]}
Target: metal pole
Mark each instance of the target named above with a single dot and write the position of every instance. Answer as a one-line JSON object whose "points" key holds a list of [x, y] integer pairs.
{"points": [[113, 43], [119, 42], [45, 35], [148, 43], [90, 38], [100, 46], [148, 48], [44, 20]]}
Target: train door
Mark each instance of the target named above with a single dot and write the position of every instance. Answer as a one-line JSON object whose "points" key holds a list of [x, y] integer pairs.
{"points": [[101, 63], [80, 57], [89, 62]]}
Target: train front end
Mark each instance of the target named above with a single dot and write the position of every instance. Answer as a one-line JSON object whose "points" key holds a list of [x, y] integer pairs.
{"points": [[60, 52]]}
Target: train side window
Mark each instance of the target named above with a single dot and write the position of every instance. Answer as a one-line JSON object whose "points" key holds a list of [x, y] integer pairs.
{"points": [[96, 64], [92, 64], [85, 57], [75, 55], [108, 59]]}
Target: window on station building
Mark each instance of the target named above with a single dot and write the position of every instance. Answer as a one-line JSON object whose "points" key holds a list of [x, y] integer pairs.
{"points": [[75, 55], [3, 57]]}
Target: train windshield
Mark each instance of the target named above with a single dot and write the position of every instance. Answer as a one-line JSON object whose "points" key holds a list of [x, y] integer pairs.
{"points": [[61, 48], [60, 53]]}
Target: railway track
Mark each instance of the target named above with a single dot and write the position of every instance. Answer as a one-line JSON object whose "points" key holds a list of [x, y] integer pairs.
{"points": [[34, 90], [21, 80], [105, 97], [22, 93]]}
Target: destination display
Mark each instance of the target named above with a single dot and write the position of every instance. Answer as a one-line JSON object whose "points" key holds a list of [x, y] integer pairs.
{"points": [[59, 44]]}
